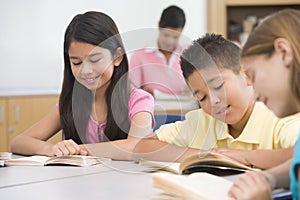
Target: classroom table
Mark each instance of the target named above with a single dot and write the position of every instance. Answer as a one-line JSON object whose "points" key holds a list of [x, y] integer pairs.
{"points": [[110, 180], [114, 184], [21, 175]]}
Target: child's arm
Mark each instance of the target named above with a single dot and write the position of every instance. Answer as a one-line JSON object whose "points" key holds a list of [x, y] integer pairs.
{"points": [[263, 159], [251, 185], [141, 124], [33, 140], [151, 148], [137, 146], [277, 177]]}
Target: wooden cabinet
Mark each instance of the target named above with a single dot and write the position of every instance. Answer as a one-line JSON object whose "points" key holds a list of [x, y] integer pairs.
{"points": [[20, 112], [3, 123], [225, 15]]}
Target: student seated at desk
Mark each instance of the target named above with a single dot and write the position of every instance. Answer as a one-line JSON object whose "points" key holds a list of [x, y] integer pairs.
{"points": [[157, 68], [272, 62], [97, 104], [229, 116]]}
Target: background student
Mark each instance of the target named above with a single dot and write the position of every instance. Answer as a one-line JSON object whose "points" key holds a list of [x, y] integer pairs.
{"points": [[97, 103], [229, 116], [158, 68], [272, 51]]}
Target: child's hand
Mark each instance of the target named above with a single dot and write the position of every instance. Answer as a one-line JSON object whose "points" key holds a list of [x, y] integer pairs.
{"points": [[251, 185], [83, 150], [238, 155], [67, 147]]}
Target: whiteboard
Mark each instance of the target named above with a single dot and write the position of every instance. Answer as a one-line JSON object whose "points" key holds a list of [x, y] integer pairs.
{"points": [[32, 31]]}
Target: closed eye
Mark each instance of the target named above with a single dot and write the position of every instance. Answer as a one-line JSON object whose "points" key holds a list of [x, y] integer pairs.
{"points": [[219, 87], [96, 60], [199, 96], [76, 64], [202, 99]]}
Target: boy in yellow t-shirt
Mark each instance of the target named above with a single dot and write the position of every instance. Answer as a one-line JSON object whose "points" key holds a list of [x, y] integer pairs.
{"points": [[230, 120]]}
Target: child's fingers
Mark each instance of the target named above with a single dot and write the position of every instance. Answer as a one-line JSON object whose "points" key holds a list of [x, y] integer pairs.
{"points": [[72, 147], [240, 187], [66, 147], [83, 152], [265, 186], [56, 150], [62, 147], [235, 192], [251, 185]]}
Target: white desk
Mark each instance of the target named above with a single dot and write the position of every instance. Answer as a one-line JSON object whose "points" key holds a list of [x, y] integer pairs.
{"points": [[112, 180], [110, 185]]}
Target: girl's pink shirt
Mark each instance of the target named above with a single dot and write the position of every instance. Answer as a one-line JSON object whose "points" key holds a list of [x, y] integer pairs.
{"points": [[139, 101]]}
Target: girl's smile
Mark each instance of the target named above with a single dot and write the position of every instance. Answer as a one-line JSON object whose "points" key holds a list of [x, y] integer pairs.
{"points": [[92, 80], [91, 65]]}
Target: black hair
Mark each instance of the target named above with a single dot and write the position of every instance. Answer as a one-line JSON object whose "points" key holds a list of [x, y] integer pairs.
{"points": [[75, 103], [172, 17], [210, 51]]}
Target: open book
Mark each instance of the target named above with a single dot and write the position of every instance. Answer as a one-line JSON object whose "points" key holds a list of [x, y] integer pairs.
{"points": [[212, 163], [200, 186], [73, 160]]}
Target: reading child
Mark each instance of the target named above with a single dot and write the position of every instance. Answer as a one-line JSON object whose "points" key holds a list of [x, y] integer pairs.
{"points": [[271, 60], [229, 116], [97, 104]]}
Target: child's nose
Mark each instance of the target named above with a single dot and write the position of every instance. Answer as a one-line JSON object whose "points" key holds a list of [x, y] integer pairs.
{"points": [[86, 68], [215, 99]]}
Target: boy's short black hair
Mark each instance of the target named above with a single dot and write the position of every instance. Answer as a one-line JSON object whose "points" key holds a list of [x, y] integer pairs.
{"points": [[212, 50], [172, 17]]}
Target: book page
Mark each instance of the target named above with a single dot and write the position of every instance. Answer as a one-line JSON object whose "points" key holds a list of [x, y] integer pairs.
{"points": [[30, 160], [163, 166], [195, 186], [76, 160], [212, 159]]}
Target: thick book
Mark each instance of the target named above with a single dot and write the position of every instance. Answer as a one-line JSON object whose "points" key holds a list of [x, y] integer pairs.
{"points": [[212, 163], [72, 160], [200, 186]]}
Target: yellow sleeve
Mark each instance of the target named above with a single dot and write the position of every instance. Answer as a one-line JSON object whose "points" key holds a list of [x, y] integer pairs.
{"points": [[288, 130], [192, 132], [170, 133]]}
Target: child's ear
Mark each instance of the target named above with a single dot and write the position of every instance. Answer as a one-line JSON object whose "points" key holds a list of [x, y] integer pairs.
{"points": [[283, 46], [245, 77], [118, 56]]}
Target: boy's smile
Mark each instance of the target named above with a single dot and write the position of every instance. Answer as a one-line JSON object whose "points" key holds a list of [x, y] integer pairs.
{"points": [[223, 111], [222, 93]]}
